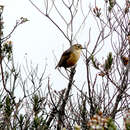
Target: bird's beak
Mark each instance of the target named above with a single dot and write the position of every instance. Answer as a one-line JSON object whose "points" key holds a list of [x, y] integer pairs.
{"points": [[83, 48]]}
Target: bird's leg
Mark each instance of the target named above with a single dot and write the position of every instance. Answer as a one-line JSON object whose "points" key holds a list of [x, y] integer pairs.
{"points": [[67, 70], [74, 67]]}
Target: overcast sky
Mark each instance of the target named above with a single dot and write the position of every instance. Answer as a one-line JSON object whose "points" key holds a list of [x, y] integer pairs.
{"points": [[37, 39]]}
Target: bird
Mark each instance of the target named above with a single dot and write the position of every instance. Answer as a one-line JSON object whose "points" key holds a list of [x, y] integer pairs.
{"points": [[70, 57]]}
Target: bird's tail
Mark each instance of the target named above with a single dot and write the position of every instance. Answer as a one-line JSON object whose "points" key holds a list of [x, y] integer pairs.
{"points": [[56, 67]]}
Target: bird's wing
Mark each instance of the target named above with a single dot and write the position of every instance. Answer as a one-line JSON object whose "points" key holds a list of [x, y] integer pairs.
{"points": [[64, 57], [67, 53]]}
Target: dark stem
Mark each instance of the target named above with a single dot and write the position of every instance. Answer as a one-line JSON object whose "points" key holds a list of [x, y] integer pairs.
{"points": [[65, 99], [122, 89]]}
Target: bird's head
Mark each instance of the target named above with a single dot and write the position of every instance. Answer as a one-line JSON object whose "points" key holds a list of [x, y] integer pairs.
{"points": [[78, 47]]}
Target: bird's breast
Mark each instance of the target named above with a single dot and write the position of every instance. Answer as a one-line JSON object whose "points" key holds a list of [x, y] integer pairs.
{"points": [[74, 57]]}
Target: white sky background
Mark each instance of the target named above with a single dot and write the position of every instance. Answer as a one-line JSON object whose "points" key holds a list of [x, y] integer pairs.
{"points": [[38, 38]]}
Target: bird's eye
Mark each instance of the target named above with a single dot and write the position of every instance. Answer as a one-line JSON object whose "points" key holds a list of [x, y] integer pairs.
{"points": [[79, 46]]}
